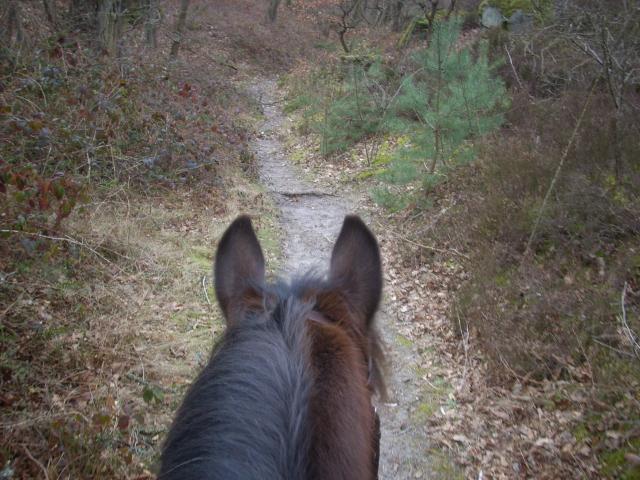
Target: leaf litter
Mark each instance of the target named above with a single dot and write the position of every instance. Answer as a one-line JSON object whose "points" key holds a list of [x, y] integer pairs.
{"points": [[525, 429]]}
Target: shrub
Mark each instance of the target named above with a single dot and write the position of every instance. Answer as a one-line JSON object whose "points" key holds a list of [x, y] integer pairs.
{"points": [[359, 110], [451, 99], [559, 305]]}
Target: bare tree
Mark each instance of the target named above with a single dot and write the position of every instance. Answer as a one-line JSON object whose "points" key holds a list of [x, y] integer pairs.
{"points": [[151, 23], [50, 11], [82, 13], [397, 15], [13, 24], [608, 34], [450, 9], [272, 12], [430, 8], [179, 29], [347, 20], [110, 25]]}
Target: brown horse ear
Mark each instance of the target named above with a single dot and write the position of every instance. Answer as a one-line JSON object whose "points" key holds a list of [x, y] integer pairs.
{"points": [[356, 267], [239, 265]]}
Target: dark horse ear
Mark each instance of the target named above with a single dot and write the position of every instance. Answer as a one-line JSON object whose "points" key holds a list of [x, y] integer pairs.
{"points": [[239, 265], [356, 266]]}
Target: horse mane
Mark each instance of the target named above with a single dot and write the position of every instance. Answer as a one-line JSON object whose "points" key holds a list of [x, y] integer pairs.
{"points": [[250, 412], [246, 415]]}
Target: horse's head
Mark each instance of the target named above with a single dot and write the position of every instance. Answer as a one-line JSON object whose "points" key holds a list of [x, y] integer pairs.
{"points": [[355, 270], [325, 354]]}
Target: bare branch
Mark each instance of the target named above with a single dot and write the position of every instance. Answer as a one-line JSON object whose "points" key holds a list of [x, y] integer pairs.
{"points": [[631, 335]]}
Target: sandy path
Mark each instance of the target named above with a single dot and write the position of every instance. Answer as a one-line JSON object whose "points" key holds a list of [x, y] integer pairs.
{"points": [[311, 220]]}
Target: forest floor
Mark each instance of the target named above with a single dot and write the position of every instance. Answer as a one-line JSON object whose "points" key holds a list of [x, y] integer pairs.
{"points": [[104, 348]]}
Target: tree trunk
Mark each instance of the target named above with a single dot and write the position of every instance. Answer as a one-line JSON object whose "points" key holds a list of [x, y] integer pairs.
{"points": [[50, 11], [397, 13], [452, 6], [106, 25], [431, 14], [272, 12], [616, 144], [110, 26], [151, 24], [14, 24], [82, 13], [438, 147], [118, 31], [178, 32], [343, 42]]}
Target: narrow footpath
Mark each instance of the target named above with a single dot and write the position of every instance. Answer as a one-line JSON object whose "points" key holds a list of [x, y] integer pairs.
{"points": [[310, 220]]}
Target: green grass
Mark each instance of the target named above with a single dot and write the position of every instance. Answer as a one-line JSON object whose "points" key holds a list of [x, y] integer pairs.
{"points": [[424, 411], [444, 467], [202, 257], [615, 465], [404, 341]]}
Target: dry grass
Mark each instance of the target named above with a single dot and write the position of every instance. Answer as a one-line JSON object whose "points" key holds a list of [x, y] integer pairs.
{"points": [[98, 353], [105, 323]]}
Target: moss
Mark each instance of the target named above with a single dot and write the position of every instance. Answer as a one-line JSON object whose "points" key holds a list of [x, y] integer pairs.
{"points": [[202, 257], [373, 172], [269, 235], [53, 332], [441, 383], [188, 319], [404, 341], [444, 467], [23, 267], [581, 433], [420, 371], [452, 264], [502, 279], [298, 102], [615, 465], [297, 156], [424, 411], [70, 287]]}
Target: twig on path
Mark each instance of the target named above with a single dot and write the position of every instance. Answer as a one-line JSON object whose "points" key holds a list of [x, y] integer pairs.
{"points": [[271, 104], [146, 383], [36, 461], [8, 309], [633, 338], [204, 288], [70, 240], [215, 60], [224, 64], [613, 349], [515, 73], [465, 345], [311, 193], [426, 247]]}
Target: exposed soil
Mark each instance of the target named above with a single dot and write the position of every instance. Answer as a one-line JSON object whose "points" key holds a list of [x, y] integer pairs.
{"points": [[310, 219]]}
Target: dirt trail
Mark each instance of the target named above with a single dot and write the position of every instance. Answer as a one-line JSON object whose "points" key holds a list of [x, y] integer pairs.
{"points": [[310, 220]]}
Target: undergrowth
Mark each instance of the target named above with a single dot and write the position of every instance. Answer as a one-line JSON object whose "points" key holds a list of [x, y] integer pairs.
{"points": [[117, 175], [553, 292], [546, 224]]}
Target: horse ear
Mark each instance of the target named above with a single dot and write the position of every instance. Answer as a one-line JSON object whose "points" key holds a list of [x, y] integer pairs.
{"points": [[239, 264], [356, 267]]}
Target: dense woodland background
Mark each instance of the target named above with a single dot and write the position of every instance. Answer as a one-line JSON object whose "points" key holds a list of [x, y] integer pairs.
{"points": [[502, 134]]}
